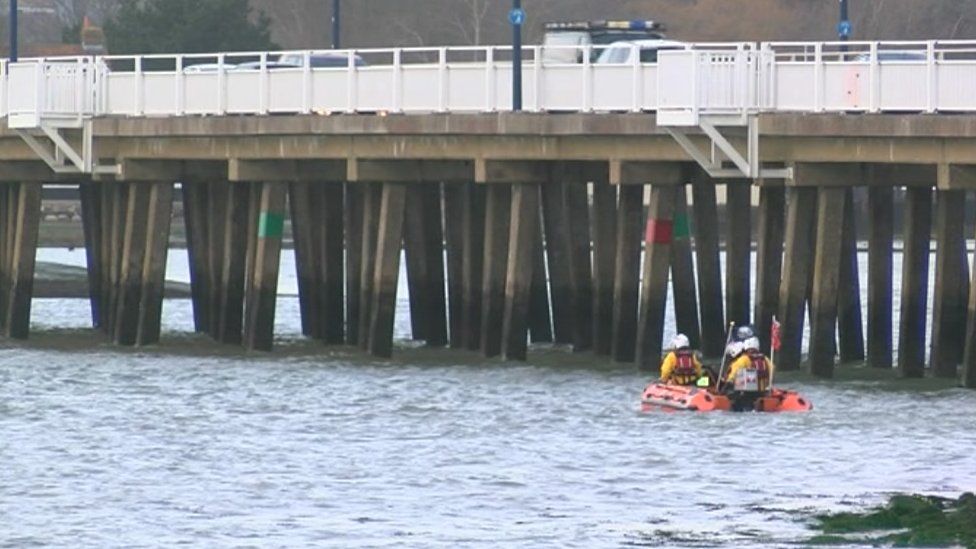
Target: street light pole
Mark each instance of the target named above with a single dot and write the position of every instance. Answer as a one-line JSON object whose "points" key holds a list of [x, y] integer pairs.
{"points": [[13, 31], [335, 25], [516, 17], [844, 24]]}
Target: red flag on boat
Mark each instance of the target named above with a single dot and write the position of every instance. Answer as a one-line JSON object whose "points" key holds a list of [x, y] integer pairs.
{"points": [[775, 336]]}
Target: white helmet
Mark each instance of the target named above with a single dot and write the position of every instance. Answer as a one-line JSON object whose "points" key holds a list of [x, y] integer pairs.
{"points": [[734, 349], [751, 344], [680, 341]]}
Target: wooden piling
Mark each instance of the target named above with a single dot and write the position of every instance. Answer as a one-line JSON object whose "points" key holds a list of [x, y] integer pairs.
{"points": [[263, 291], [518, 279], [581, 273], [329, 222], [850, 326], [880, 272], [233, 263], [540, 318], [951, 284], [307, 265], [626, 289], [654, 287], [830, 227], [914, 285], [769, 260], [705, 212], [683, 286], [603, 227], [386, 275], [797, 263], [558, 252], [372, 197], [454, 243], [497, 218], [217, 213], [473, 199], [133, 255], [424, 250], [968, 374], [91, 221], [158, 221], [25, 199], [738, 249], [353, 220], [197, 249]]}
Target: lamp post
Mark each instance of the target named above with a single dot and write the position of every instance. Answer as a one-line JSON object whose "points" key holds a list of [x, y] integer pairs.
{"points": [[13, 31], [844, 24], [335, 25], [516, 17]]}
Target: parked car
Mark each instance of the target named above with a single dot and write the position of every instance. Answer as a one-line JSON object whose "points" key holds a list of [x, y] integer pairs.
{"points": [[269, 65], [622, 52], [320, 60], [564, 41], [207, 68]]}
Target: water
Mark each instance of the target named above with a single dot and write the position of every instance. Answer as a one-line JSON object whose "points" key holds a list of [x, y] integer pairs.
{"points": [[212, 447]]}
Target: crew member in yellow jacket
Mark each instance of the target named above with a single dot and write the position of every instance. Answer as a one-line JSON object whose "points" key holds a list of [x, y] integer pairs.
{"points": [[751, 359], [681, 366]]}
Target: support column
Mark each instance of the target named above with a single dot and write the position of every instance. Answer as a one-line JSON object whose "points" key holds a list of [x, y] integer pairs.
{"points": [[328, 222], [196, 222], [371, 219], [914, 281], [540, 320], [118, 195], [454, 242], [91, 217], [24, 201], [387, 272], [423, 243], [603, 228], [880, 269], [577, 206], [849, 322], [951, 284], [219, 196], [654, 287], [133, 256], [769, 261], [709, 265], [263, 293], [969, 357], [497, 218], [307, 266], [558, 251], [830, 228], [738, 248], [231, 310], [626, 289], [160, 210], [797, 263], [355, 203], [473, 235], [683, 272], [518, 280]]}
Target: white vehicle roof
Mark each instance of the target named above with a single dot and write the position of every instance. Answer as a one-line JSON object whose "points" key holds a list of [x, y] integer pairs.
{"points": [[650, 43]]}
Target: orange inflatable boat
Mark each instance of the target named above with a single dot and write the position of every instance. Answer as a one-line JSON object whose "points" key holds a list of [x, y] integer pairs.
{"points": [[660, 396]]}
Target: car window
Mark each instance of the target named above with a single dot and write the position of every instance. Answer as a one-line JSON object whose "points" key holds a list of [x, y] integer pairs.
{"points": [[616, 54]]}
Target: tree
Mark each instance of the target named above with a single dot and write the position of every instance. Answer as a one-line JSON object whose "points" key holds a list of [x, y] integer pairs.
{"points": [[187, 26]]}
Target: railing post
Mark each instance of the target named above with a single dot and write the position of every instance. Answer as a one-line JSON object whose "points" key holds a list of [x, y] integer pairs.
{"points": [[695, 84], [539, 82], [818, 78], [140, 84], [874, 81], [221, 85], [180, 88], [397, 81], [265, 91], [352, 102], [932, 77], [307, 82], [637, 76], [442, 80], [587, 79], [490, 83]]}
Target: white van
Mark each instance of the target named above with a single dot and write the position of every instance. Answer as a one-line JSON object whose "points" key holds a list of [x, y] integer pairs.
{"points": [[621, 53]]}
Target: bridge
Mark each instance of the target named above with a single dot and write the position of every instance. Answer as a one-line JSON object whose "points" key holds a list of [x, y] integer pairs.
{"points": [[514, 225]]}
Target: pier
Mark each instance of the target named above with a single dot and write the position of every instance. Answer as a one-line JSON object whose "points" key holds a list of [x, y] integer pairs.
{"points": [[566, 223]]}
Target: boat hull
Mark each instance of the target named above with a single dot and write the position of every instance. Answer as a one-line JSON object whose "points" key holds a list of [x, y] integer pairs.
{"points": [[662, 397]]}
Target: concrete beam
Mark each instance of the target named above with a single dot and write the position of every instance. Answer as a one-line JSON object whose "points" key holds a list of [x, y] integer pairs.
{"points": [[844, 174], [154, 170], [956, 177], [285, 171], [901, 175], [580, 172], [511, 171], [623, 172], [20, 171], [409, 171]]}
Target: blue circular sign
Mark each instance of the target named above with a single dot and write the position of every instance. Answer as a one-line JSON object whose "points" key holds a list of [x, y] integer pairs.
{"points": [[844, 28], [516, 16]]}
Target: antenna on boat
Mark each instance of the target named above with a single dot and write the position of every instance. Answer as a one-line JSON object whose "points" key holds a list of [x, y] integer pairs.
{"points": [[725, 356]]}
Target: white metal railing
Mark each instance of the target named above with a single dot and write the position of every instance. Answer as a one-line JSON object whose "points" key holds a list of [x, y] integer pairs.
{"points": [[682, 83]]}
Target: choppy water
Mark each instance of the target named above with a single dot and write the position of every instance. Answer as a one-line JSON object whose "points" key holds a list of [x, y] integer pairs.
{"points": [[207, 447]]}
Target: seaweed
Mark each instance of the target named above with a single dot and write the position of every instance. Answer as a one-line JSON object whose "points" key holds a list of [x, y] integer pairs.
{"points": [[907, 520]]}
